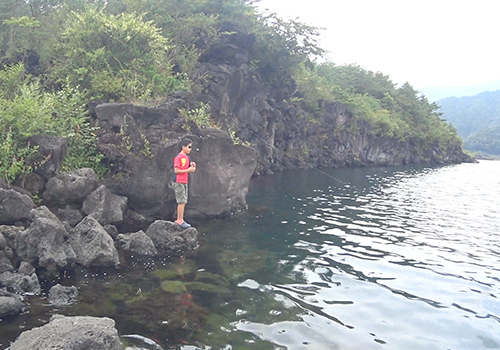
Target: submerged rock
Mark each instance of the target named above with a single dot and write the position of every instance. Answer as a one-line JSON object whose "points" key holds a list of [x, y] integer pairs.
{"points": [[71, 333], [20, 284], [63, 296], [10, 304]]}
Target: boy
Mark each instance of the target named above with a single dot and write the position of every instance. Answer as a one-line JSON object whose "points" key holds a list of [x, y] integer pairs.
{"points": [[182, 167]]}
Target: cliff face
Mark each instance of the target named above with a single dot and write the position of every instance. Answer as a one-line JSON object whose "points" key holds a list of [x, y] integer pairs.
{"points": [[283, 133], [279, 134]]}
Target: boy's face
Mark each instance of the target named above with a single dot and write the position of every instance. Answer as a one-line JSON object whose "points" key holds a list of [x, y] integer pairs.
{"points": [[187, 149]]}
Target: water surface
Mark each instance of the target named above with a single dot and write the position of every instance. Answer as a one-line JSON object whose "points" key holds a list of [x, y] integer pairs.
{"points": [[368, 258]]}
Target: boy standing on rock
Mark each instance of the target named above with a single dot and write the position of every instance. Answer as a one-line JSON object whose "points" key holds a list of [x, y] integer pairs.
{"points": [[182, 167]]}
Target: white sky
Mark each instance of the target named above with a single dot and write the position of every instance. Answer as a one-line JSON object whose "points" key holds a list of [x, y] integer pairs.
{"points": [[427, 42]]}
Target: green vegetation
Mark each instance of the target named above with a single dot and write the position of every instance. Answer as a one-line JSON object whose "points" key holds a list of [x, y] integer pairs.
{"points": [[57, 55], [477, 119], [27, 110]]}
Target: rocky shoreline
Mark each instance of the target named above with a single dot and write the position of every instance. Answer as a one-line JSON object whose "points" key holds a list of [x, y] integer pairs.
{"points": [[41, 244]]}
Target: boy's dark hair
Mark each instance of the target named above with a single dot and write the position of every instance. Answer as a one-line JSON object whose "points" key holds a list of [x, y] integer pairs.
{"points": [[185, 142]]}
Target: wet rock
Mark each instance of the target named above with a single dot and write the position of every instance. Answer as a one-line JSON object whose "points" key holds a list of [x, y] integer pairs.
{"points": [[44, 243], [20, 284], [14, 206], [10, 304], [169, 236], [71, 333], [92, 245], [104, 206], [71, 187], [63, 296], [138, 243]]}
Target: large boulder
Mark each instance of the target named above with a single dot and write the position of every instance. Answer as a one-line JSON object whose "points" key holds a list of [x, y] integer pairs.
{"points": [[104, 206], [71, 333], [14, 206], [168, 236], [137, 242], [10, 304], [71, 187], [92, 245], [45, 242]]}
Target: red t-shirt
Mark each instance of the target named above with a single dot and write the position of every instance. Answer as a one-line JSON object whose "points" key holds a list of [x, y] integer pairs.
{"points": [[182, 162]]}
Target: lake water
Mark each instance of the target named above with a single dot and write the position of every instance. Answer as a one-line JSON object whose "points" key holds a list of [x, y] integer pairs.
{"points": [[367, 258]]}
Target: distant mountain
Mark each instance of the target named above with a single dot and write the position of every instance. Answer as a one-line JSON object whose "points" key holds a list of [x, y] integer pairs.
{"points": [[477, 120], [434, 94]]}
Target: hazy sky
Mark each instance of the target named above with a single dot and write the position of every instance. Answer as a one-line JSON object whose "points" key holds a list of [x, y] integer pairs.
{"points": [[426, 42]]}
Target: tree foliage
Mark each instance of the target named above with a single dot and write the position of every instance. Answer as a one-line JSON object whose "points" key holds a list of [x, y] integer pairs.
{"points": [[140, 50], [477, 119]]}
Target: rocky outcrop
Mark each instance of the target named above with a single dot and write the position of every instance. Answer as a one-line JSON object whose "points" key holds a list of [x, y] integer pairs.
{"points": [[284, 132], [71, 333], [142, 143]]}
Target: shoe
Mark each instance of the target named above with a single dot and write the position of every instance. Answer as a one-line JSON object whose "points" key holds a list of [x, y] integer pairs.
{"points": [[183, 225]]}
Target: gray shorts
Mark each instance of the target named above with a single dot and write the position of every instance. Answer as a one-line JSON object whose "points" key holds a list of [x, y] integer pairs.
{"points": [[181, 192]]}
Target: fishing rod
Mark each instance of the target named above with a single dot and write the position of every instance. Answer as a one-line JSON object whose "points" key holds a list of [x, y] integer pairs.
{"points": [[292, 156]]}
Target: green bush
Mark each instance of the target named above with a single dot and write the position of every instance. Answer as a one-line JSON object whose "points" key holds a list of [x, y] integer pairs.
{"points": [[27, 111]]}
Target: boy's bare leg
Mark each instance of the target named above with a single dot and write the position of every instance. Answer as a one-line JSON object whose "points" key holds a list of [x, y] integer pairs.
{"points": [[180, 212]]}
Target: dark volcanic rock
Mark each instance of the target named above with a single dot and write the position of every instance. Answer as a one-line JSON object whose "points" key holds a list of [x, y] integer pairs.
{"points": [[14, 206], [63, 296], [20, 284], [53, 149], [44, 243], [171, 237], [104, 206], [92, 245], [137, 242], [71, 333], [10, 304], [70, 188], [143, 156]]}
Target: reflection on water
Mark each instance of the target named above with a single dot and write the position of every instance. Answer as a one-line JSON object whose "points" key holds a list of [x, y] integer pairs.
{"points": [[389, 258]]}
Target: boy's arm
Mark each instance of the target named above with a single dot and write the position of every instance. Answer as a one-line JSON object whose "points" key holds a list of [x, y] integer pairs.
{"points": [[191, 169]]}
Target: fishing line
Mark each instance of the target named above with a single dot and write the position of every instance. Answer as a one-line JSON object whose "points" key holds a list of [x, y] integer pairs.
{"points": [[291, 156], [300, 160]]}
